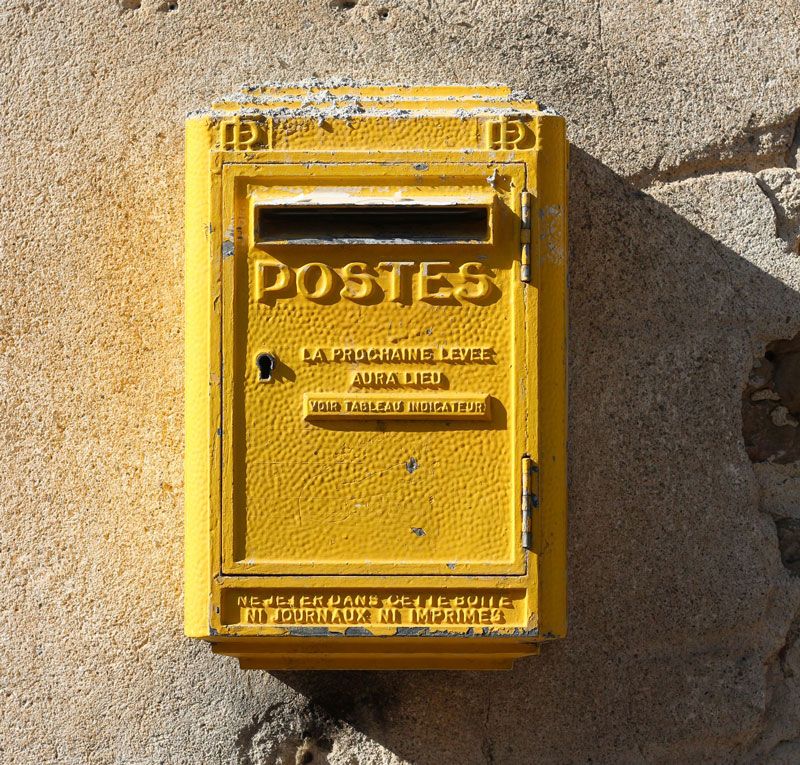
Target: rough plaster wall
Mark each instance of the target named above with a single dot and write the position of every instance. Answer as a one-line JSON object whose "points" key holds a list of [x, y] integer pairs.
{"points": [[684, 225]]}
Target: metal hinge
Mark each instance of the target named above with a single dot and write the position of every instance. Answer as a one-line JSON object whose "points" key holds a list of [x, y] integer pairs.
{"points": [[530, 499], [525, 237]]}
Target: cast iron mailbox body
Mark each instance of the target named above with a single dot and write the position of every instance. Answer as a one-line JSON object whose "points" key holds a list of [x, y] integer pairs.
{"points": [[375, 384]]}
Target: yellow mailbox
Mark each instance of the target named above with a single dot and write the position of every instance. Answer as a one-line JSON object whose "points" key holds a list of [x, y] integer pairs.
{"points": [[375, 377]]}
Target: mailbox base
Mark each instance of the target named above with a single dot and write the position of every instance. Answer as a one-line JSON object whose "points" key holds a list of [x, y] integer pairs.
{"points": [[374, 653]]}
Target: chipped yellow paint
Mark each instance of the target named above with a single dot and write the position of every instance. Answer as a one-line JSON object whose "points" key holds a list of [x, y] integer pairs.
{"points": [[375, 348]]}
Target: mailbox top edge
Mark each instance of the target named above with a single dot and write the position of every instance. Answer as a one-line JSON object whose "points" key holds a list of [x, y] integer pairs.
{"points": [[347, 100]]}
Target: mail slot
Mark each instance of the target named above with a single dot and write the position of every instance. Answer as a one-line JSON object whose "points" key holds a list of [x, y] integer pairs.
{"points": [[375, 377]]}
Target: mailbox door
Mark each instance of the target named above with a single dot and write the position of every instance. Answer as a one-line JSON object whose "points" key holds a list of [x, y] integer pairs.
{"points": [[375, 369]]}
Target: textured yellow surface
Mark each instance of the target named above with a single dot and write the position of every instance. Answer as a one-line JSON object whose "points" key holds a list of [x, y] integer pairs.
{"points": [[198, 343], [380, 455]]}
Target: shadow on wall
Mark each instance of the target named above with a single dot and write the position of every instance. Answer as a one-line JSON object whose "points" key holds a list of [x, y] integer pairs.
{"points": [[671, 564]]}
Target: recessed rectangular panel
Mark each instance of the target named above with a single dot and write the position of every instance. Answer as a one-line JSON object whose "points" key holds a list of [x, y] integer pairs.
{"points": [[373, 418]]}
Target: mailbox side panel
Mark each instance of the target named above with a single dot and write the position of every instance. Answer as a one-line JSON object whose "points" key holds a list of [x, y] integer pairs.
{"points": [[197, 504], [551, 229]]}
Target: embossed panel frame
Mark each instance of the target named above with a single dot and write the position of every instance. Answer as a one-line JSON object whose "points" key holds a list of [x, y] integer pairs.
{"points": [[388, 436]]}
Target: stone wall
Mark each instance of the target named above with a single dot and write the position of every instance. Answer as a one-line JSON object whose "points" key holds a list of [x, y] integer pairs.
{"points": [[685, 310]]}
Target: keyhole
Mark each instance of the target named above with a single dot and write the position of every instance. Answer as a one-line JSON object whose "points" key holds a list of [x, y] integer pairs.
{"points": [[266, 364]]}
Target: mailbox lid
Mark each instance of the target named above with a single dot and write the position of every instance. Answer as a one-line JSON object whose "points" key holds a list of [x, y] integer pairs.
{"points": [[389, 436]]}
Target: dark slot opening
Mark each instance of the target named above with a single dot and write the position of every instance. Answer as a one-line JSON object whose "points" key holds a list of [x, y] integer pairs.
{"points": [[382, 223]]}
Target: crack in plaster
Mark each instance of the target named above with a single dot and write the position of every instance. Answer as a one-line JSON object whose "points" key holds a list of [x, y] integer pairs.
{"points": [[601, 40], [770, 146]]}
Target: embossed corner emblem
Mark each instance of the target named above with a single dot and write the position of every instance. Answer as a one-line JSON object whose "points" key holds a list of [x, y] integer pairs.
{"points": [[507, 133], [244, 135]]}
